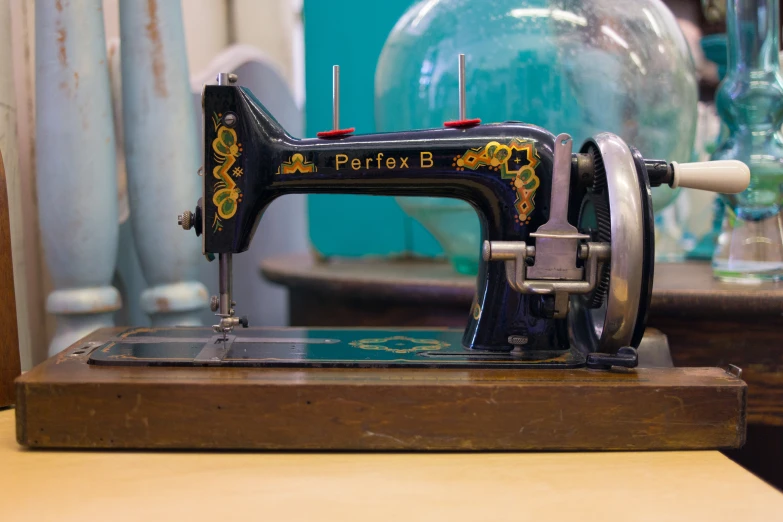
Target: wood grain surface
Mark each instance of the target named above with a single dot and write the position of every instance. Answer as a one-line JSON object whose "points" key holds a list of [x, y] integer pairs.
{"points": [[679, 288], [96, 486], [689, 290], [396, 280], [9, 337], [65, 402], [707, 322]]}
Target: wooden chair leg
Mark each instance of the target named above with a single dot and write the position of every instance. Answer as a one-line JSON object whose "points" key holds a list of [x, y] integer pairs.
{"points": [[9, 336], [76, 167], [162, 159]]}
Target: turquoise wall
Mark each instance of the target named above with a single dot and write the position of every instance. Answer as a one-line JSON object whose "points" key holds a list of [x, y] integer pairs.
{"points": [[351, 34]]}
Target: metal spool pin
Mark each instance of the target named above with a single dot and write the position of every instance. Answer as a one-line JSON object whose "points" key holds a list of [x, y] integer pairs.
{"points": [[462, 121], [336, 131], [462, 106], [335, 97]]}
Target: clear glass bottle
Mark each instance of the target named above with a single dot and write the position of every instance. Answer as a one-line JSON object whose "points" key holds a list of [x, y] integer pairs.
{"points": [[750, 103], [575, 66]]}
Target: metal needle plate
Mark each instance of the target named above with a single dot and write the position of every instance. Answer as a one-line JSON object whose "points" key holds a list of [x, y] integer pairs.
{"points": [[323, 348]]}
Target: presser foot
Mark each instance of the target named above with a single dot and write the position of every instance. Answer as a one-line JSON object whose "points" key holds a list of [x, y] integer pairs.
{"points": [[227, 324], [223, 304]]}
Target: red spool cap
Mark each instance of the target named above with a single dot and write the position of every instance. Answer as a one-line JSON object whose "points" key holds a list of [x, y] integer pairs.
{"points": [[335, 133], [463, 123]]}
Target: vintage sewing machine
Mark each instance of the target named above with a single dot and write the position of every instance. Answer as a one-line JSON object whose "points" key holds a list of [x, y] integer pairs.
{"points": [[548, 358]]}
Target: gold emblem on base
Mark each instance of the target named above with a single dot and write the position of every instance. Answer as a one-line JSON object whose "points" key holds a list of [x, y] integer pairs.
{"points": [[400, 344]]}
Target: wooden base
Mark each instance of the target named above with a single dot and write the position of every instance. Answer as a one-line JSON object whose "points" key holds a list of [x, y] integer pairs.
{"points": [[66, 403]]}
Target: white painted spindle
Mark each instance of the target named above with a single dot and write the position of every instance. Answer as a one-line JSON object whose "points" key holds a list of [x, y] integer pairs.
{"points": [[76, 169], [162, 158]]}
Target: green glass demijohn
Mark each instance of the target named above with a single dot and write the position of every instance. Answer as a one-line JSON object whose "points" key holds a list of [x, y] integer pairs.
{"points": [[749, 101], [575, 66]]}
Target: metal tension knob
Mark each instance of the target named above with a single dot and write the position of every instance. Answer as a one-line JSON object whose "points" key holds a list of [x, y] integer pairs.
{"points": [[214, 303], [186, 220]]}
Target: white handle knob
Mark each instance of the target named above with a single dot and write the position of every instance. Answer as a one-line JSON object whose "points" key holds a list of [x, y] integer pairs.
{"points": [[725, 176]]}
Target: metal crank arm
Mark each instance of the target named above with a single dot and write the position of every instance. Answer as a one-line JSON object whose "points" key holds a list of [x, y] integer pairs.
{"points": [[515, 254], [554, 271]]}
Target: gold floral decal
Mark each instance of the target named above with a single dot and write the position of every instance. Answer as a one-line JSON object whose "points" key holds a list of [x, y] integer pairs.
{"points": [[399, 344], [128, 333], [296, 164], [516, 161], [226, 150], [139, 330]]}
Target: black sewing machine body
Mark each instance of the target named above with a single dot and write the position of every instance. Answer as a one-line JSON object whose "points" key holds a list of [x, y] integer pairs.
{"points": [[568, 250], [503, 170]]}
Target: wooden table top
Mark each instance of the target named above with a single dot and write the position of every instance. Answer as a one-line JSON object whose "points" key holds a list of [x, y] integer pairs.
{"points": [[678, 288], [131, 486]]}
